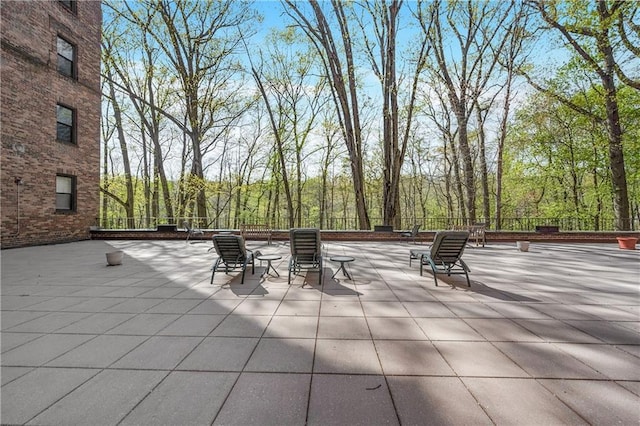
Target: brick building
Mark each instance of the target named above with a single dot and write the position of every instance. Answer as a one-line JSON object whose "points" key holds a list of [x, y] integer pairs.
{"points": [[50, 128]]}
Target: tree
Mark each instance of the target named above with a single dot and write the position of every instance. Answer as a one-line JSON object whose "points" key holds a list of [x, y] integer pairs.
{"points": [[343, 83], [589, 33], [478, 29]]}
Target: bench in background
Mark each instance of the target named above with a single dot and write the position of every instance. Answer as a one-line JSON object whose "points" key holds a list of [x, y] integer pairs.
{"points": [[256, 231]]}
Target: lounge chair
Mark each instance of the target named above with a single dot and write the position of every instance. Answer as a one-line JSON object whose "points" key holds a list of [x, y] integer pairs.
{"points": [[232, 255], [411, 234], [445, 256], [192, 231], [306, 251]]}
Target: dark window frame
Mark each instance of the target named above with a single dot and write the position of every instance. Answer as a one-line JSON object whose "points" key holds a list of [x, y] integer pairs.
{"points": [[70, 5], [72, 196], [71, 63], [72, 128]]}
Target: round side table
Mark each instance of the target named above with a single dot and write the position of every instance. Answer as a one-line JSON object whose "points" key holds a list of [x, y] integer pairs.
{"points": [[342, 260], [269, 258]]}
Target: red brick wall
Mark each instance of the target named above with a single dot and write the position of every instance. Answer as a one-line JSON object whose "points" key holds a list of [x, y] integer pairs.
{"points": [[31, 88]]}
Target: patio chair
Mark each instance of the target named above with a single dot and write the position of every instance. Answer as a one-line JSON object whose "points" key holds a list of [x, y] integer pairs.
{"points": [[411, 234], [232, 255], [445, 256], [306, 251], [192, 231]]}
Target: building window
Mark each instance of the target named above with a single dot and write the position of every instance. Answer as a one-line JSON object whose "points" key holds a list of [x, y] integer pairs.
{"points": [[66, 58], [65, 193], [69, 4], [65, 124]]}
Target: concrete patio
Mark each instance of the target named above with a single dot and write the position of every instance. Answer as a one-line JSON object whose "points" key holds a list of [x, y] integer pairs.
{"points": [[549, 336]]}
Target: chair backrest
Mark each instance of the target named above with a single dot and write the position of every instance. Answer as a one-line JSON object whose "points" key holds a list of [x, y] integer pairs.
{"points": [[305, 244], [414, 231], [448, 246], [230, 248]]}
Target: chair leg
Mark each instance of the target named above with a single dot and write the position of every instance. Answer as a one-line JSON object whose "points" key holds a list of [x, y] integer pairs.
{"points": [[215, 266]]}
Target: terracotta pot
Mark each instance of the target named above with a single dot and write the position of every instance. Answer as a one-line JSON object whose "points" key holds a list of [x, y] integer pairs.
{"points": [[522, 245], [627, 243], [114, 258]]}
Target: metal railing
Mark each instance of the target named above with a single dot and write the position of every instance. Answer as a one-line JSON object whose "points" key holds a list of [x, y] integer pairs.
{"points": [[344, 224]]}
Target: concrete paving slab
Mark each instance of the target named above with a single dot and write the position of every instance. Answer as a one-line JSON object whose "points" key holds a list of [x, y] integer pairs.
{"points": [[105, 399], [520, 401], [220, 354], [242, 326], [448, 329], [608, 360], [350, 400], [395, 329], [292, 327], [346, 357], [43, 349], [435, 401], [282, 355], [30, 394], [480, 359], [546, 360], [266, 399], [100, 352], [343, 328], [158, 353], [184, 398], [144, 324], [406, 357], [192, 325], [598, 402]]}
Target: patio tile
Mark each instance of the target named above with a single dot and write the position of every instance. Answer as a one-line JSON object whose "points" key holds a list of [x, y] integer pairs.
{"points": [[564, 311], [608, 360], [57, 303], [346, 357], [472, 310], [30, 394], [292, 327], [256, 307], [339, 308], [428, 310], [9, 319], [242, 326], [97, 323], [369, 295], [299, 307], [134, 306], [448, 329], [519, 401], [9, 374], [192, 325], [43, 349], [599, 402], [556, 331], [384, 309], [144, 324], [254, 402], [282, 355], [13, 340], [395, 328], [514, 310], [158, 353], [435, 401], [502, 330], [105, 399], [174, 306], [414, 294], [545, 360], [406, 357], [220, 354], [184, 398], [49, 323], [478, 359], [343, 328], [350, 400], [216, 306], [608, 331], [100, 352]]}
